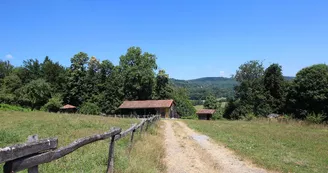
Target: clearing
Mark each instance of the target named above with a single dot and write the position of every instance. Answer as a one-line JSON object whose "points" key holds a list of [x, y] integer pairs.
{"points": [[191, 152]]}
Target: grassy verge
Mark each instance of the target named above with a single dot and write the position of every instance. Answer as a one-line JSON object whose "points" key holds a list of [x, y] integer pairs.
{"points": [[146, 155], [16, 126], [277, 146]]}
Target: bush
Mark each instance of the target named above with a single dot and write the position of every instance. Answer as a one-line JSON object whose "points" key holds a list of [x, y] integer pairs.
{"points": [[53, 104], [89, 109], [6, 107], [315, 118], [7, 98], [249, 117], [218, 115]]}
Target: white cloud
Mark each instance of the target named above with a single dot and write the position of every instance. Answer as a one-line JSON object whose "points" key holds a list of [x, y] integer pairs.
{"points": [[9, 56], [221, 73]]}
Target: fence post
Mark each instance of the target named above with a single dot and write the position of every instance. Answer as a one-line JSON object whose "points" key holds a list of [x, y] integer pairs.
{"points": [[110, 165], [141, 127], [34, 169], [131, 139], [8, 167], [147, 124]]}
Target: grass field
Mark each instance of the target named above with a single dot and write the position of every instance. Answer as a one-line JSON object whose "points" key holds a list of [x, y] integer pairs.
{"points": [[276, 146], [16, 126]]}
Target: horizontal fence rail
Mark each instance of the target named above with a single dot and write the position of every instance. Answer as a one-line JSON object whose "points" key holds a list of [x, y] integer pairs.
{"points": [[35, 152]]}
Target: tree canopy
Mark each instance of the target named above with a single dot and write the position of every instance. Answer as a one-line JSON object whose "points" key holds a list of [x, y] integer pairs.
{"points": [[93, 86]]}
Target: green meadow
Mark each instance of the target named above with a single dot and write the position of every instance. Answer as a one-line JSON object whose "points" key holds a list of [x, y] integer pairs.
{"points": [[292, 147], [16, 126]]}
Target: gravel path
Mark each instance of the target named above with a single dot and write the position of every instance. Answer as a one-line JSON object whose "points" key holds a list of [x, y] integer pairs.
{"points": [[191, 152]]}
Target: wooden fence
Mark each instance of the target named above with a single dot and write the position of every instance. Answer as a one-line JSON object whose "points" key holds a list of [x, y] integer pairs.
{"points": [[35, 152]]}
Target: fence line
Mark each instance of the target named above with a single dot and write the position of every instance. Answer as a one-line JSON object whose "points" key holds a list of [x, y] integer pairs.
{"points": [[35, 152]]}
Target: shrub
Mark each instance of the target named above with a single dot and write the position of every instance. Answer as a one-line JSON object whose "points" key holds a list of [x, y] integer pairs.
{"points": [[315, 118], [249, 117], [89, 109], [218, 115], [7, 98], [53, 104], [6, 107]]}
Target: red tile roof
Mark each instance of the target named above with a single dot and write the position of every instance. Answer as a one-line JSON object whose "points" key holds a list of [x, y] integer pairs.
{"points": [[144, 104], [206, 111], [68, 107]]}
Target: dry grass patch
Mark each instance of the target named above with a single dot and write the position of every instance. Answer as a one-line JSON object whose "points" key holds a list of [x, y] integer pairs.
{"points": [[147, 153]]}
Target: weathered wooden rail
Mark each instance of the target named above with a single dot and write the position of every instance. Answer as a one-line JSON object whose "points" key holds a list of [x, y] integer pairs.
{"points": [[35, 152]]}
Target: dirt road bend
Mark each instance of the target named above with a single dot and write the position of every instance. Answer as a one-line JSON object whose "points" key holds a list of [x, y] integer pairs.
{"points": [[190, 152]]}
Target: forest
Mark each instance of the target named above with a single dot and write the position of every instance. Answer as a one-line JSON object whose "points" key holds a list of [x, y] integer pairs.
{"points": [[100, 87], [94, 87], [261, 92], [199, 88]]}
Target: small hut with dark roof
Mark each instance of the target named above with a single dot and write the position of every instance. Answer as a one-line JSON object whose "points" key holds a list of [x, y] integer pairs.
{"points": [[165, 108], [68, 109], [205, 114]]}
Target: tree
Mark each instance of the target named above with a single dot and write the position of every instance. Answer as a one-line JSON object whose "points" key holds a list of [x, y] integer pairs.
{"points": [[11, 83], [309, 93], [76, 86], [5, 68], [32, 69], [251, 71], [184, 106], [138, 74], [111, 95], [92, 79], [53, 104], [162, 89], [274, 87], [54, 73], [37, 92], [250, 76], [210, 102], [250, 92]]}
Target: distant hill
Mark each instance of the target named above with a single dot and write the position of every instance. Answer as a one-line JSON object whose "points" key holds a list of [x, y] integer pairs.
{"points": [[289, 77], [201, 87]]}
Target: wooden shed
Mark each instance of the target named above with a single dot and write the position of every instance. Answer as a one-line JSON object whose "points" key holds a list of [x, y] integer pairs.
{"points": [[205, 114], [165, 108], [68, 109]]}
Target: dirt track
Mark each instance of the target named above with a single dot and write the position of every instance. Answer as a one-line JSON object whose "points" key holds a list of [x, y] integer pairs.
{"points": [[191, 152]]}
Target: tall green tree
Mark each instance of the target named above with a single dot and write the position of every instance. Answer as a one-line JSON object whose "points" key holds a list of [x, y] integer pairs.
{"points": [[162, 89], [309, 92], [54, 73], [32, 69], [138, 74], [274, 84], [76, 86], [5, 68], [249, 94], [110, 86], [92, 78]]}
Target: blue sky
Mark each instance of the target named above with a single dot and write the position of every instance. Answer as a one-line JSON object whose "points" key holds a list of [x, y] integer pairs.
{"points": [[190, 38]]}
